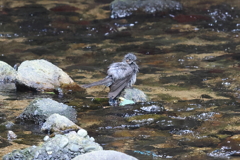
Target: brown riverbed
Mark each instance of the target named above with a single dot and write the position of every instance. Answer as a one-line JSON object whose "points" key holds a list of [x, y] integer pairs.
{"points": [[190, 66]]}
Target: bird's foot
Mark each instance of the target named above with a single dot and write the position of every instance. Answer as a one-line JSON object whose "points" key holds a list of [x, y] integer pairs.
{"points": [[113, 102]]}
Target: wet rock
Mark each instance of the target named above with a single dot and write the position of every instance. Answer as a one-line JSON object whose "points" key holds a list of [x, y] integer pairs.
{"points": [[65, 147], [40, 109], [7, 124], [205, 116], [41, 75], [134, 94], [125, 8], [11, 135], [222, 16], [7, 73], [56, 123], [105, 155], [229, 147], [153, 109]]}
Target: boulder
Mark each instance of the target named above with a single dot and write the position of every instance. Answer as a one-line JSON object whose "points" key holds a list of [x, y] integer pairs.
{"points": [[56, 123], [104, 155], [134, 94], [65, 147], [41, 108], [41, 75], [7, 73]]}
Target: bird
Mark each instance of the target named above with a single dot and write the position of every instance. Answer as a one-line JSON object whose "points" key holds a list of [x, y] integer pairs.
{"points": [[119, 76]]}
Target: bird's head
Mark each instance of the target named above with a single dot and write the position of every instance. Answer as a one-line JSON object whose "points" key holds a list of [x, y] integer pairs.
{"points": [[129, 58]]}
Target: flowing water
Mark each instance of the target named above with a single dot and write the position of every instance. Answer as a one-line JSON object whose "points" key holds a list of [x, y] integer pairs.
{"points": [[189, 68]]}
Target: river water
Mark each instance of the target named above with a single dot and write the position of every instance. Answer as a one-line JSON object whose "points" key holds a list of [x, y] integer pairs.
{"points": [[189, 67]]}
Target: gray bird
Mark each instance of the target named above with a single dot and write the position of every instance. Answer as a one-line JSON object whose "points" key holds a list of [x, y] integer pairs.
{"points": [[119, 76]]}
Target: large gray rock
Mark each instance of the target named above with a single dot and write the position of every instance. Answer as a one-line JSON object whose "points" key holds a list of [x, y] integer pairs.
{"points": [[40, 109], [56, 123], [134, 94], [124, 8], [105, 155], [7, 73], [62, 147], [41, 75]]}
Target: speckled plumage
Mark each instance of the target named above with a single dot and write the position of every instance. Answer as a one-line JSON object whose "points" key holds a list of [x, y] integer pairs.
{"points": [[120, 75]]}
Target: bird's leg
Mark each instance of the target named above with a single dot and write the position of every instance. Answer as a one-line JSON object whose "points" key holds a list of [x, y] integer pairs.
{"points": [[113, 102]]}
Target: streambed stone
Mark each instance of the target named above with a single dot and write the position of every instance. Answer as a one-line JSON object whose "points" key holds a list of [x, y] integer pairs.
{"points": [[228, 147], [41, 75], [105, 155], [56, 123], [41, 108], [125, 8], [7, 73], [134, 94], [64, 147]]}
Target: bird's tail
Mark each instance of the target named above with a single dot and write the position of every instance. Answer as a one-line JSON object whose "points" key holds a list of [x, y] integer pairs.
{"points": [[105, 81]]}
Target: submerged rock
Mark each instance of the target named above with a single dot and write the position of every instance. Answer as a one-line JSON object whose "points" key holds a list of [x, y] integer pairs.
{"points": [[134, 94], [153, 109], [7, 73], [64, 147], [229, 147], [56, 123], [125, 8], [7, 124], [40, 109], [105, 155], [41, 75], [222, 16]]}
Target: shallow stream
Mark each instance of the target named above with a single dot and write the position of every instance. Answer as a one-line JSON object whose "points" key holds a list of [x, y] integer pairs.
{"points": [[189, 68]]}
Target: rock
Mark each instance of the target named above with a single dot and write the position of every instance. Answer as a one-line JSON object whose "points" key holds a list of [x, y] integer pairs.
{"points": [[228, 147], [11, 135], [82, 133], [105, 155], [41, 75], [134, 94], [56, 123], [7, 73], [64, 147], [222, 15], [153, 109], [7, 124], [40, 109], [125, 8]]}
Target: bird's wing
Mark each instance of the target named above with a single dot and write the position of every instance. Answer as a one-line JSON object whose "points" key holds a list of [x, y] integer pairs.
{"points": [[119, 70]]}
